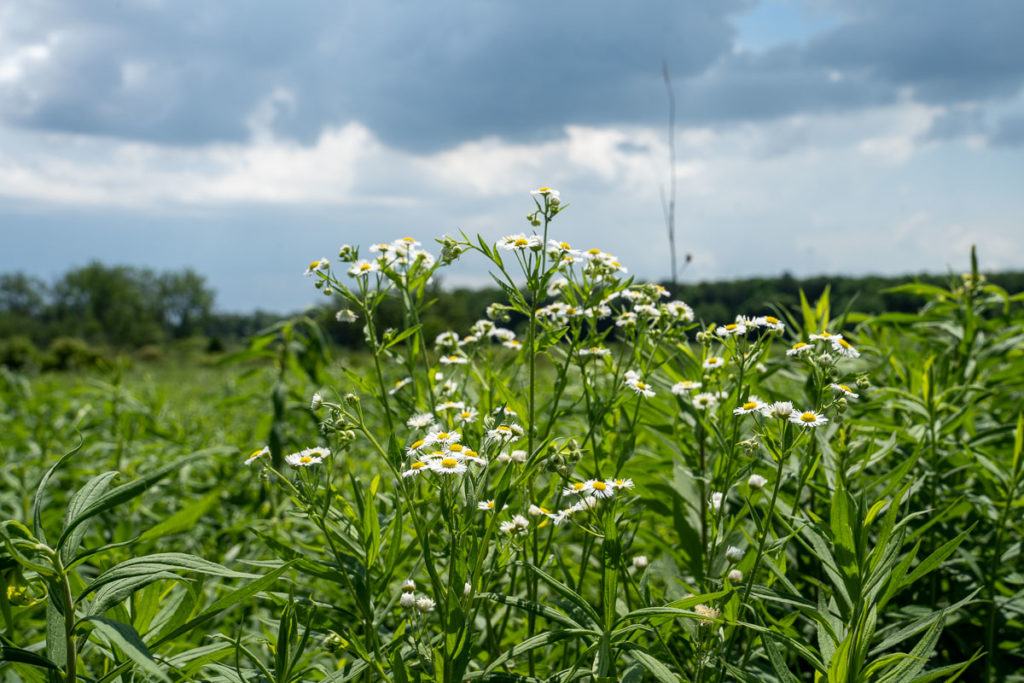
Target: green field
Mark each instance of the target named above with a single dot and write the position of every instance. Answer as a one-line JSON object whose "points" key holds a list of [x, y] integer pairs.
{"points": [[613, 491]]}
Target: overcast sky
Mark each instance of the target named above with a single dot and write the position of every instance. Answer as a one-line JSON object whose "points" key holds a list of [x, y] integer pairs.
{"points": [[246, 138]]}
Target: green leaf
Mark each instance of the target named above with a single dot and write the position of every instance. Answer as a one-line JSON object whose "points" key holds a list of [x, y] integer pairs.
{"points": [[162, 562], [82, 499], [655, 667], [182, 520], [37, 502], [129, 642], [124, 493]]}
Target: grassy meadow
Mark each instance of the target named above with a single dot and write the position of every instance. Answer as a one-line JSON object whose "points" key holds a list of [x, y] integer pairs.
{"points": [[611, 491]]}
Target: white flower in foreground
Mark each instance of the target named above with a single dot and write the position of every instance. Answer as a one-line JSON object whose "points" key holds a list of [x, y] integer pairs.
{"points": [[307, 457], [712, 362], [448, 338], [577, 488], [517, 526], [845, 390], [407, 600], [825, 335], [399, 385], [408, 586], [756, 482], [705, 400], [597, 351], [316, 401], [420, 421], [600, 489], [519, 242], [345, 316], [449, 465], [733, 554], [256, 455], [679, 310], [770, 322], [454, 359], [441, 438], [451, 405], [466, 415], [844, 348], [486, 505], [808, 418], [731, 330], [798, 348], [633, 381], [549, 192], [415, 468], [684, 387], [779, 409], [716, 500], [706, 613], [425, 604], [317, 266], [363, 268], [752, 405], [621, 484], [735, 575], [505, 432], [640, 562]]}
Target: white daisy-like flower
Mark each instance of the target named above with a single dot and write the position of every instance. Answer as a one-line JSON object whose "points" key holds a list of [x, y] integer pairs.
{"points": [[626, 319], [844, 348], [712, 362], [633, 381], [442, 438], [621, 484], [560, 516], [585, 503], [486, 505], [731, 330], [466, 415], [513, 344], [447, 339], [684, 387], [798, 348], [445, 406], [779, 409], [640, 562], [415, 468], [756, 482], [808, 418], [519, 242], [447, 465], [825, 335], [482, 327], [577, 488], [307, 457], [752, 405], [420, 421], [345, 316], [679, 310], [547, 192], [407, 600], [733, 554], [425, 604], [363, 268], [517, 526], [649, 311], [399, 385], [556, 286], [845, 390], [256, 455], [505, 432], [705, 400], [597, 351], [600, 489], [518, 456], [502, 334], [770, 322], [454, 359], [317, 266]]}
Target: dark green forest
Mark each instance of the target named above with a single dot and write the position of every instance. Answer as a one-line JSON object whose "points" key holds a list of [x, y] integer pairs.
{"points": [[100, 310]]}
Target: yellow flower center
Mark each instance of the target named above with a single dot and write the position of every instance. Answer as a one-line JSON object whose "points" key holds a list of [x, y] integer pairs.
{"points": [[490, 504], [416, 444], [305, 459], [544, 190], [578, 486], [408, 240], [469, 453], [771, 320], [255, 453], [449, 463], [749, 405], [442, 435], [419, 464], [845, 344], [826, 334], [503, 428], [565, 245], [594, 252], [799, 345], [620, 482], [455, 448], [731, 326], [599, 486], [845, 388], [808, 417], [641, 385], [521, 242], [365, 267]]}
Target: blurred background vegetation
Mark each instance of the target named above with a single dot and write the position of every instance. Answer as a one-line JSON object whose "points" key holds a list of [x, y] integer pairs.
{"points": [[96, 312]]}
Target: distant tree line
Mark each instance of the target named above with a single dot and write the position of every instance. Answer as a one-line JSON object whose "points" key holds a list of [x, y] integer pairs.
{"points": [[125, 308]]}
